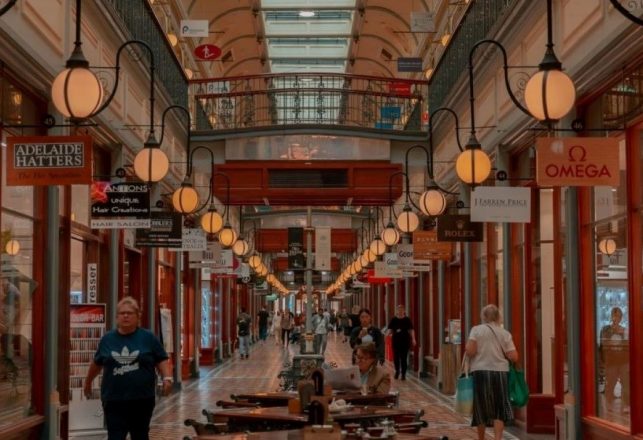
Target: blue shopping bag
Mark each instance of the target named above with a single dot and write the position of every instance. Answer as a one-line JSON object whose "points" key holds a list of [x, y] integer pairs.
{"points": [[464, 391]]}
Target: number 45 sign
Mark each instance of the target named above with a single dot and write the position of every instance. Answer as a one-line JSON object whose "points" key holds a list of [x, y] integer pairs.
{"points": [[92, 282]]}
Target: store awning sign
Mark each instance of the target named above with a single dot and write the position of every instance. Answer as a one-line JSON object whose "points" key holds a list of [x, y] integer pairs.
{"points": [[116, 204], [502, 204], [459, 228], [193, 239], [49, 160], [165, 231], [577, 161], [427, 248]]}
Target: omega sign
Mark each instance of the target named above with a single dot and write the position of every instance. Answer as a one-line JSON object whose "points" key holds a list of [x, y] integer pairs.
{"points": [[577, 161]]}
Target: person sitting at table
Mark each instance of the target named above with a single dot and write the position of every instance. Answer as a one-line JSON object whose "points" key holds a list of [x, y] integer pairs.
{"points": [[374, 379]]}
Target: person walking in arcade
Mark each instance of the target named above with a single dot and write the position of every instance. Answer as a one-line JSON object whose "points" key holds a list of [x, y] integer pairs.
{"points": [[403, 335], [128, 357]]}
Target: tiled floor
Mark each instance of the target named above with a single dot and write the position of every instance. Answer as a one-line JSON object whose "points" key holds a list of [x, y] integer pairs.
{"points": [[259, 373]]}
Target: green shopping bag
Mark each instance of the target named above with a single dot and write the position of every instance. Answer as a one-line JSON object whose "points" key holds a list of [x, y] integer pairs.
{"points": [[464, 391], [518, 389]]}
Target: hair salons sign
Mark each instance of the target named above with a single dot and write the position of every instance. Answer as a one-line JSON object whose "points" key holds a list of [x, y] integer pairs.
{"points": [[49, 160], [577, 162]]}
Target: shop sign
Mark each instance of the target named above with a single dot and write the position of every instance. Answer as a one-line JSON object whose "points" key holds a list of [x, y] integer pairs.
{"points": [[405, 254], [410, 64], [422, 21], [193, 239], [322, 248], [503, 204], [390, 112], [295, 248], [49, 160], [195, 28], [399, 88], [427, 248], [577, 161], [224, 263], [165, 231], [92, 282], [207, 52], [389, 267], [87, 314], [459, 228], [119, 201]]}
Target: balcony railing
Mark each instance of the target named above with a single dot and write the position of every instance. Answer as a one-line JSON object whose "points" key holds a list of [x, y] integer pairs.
{"points": [[311, 99]]}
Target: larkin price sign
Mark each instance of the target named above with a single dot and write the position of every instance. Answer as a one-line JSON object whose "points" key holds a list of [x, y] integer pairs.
{"points": [[577, 162], [49, 160]]}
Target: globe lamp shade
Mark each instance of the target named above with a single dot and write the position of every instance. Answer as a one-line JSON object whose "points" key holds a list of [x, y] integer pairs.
{"points": [[390, 236], [408, 221], [151, 164], [606, 246], [240, 247], [254, 261], [227, 236], [378, 247], [271, 278], [473, 166], [185, 199], [363, 260], [77, 93], [550, 95], [263, 271], [12, 247], [211, 222], [433, 202], [370, 255], [358, 265]]}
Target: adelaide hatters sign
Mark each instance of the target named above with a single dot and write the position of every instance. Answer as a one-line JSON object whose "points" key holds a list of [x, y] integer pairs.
{"points": [[577, 161], [49, 160]]}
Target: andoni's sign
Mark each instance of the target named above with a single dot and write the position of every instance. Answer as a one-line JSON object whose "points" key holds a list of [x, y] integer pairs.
{"points": [[577, 162]]}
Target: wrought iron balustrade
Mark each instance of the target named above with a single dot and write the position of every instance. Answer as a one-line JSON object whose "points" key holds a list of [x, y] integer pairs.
{"points": [[326, 99]]}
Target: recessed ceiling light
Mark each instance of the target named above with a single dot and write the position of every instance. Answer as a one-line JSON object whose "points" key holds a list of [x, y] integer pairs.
{"points": [[307, 14]]}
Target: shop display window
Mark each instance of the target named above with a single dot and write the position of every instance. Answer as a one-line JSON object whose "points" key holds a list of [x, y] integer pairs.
{"points": [[610, 246], [80, 204]]}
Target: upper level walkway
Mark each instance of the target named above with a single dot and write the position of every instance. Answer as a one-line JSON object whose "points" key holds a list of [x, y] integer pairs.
{"points": [[259, 374], [309, 103]]}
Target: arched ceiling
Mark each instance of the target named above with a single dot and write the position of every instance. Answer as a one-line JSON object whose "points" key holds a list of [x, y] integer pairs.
{"points": [[362, 37]]}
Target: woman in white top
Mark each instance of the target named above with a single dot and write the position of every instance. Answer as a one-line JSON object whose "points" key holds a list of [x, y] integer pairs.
{"points": [[276, 327], [489, 348]]}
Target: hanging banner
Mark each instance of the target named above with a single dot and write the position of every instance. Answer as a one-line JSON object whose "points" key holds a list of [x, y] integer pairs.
{"points": [[422, 21], [459, 228], [119, 205], [322, 248], [296, 248], [193, 239], [49, 160], [577, 162], [505, 204], [165, 231], [427, 248]]}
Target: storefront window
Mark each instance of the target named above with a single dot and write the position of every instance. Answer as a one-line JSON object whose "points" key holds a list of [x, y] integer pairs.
{"points": [[16, 305], [80, 204], [611, 290], [15, 198], [76, 272]]}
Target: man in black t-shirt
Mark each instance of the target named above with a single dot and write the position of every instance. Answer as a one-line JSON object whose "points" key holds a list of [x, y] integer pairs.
{"points": [[401, 328], [262, 323]]}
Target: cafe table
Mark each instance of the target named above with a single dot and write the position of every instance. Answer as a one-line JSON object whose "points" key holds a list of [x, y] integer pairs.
{"points": [[278, 417], [296, 434], [282, 398]]}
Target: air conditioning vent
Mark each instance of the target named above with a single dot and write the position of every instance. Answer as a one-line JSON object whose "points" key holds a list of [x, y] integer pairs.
{"points": [[308, 178]]}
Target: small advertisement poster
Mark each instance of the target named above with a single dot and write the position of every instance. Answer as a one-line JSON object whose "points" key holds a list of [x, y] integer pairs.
{"points": [[165, 231], [459, 228], [296, 248], [87, 326], [49, 160], [427, 248], [119, 205]]}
